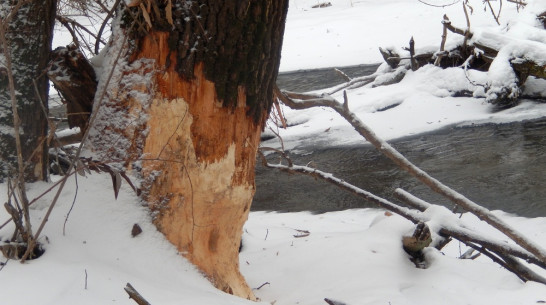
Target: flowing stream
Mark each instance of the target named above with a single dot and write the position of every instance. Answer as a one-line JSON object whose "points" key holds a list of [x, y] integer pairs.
{"points": [[498, 166]]}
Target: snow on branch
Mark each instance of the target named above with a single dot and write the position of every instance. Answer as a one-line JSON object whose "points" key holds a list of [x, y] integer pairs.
{"points": [[443, 222], [303, 101]]}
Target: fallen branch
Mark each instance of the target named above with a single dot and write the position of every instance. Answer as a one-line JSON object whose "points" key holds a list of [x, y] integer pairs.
{"points": [[499, 247], [333, 302], [133, 294], [304, 101]]}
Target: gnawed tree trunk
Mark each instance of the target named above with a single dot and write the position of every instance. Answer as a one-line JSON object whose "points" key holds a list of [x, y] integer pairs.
{"points": [[29, 33], [189, 109]]}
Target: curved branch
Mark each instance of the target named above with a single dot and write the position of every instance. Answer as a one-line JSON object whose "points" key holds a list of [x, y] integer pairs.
{"points": [[103, 25]]}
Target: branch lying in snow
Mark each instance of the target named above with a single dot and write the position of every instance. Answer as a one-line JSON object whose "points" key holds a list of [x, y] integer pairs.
{"points": [[448, 228], [378, 78], [333, 302], [505, 253], [304, 101], [133, 294]]}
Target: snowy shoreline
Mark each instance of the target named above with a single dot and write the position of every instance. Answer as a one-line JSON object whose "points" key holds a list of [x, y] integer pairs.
{"points": [[353, 256]]}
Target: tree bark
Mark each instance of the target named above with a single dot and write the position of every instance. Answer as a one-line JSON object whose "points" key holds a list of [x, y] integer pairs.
{"points": [[192, 103], [29, 33], [74, 77]]}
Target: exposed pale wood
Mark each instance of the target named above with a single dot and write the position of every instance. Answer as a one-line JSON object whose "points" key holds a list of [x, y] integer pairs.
{"points": [[420, 239], [189, 113]]}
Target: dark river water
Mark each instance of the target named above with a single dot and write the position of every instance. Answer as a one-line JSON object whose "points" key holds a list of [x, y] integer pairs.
{"points": [[500, 166]]}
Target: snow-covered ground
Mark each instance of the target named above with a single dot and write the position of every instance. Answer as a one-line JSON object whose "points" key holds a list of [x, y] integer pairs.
{"points": [[350, 33], [352, 256]]}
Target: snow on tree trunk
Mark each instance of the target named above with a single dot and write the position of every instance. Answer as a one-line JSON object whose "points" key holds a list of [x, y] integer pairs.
{"points": [[185, 110], [29, 36]]}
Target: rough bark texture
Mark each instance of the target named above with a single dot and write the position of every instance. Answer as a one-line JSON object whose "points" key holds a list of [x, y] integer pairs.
{"points": [[75, 79], [29, 35], [194, 118]]}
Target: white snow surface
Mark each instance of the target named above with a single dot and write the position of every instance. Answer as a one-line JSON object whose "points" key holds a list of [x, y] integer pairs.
{"points": [[350, 32], [352, 256]]}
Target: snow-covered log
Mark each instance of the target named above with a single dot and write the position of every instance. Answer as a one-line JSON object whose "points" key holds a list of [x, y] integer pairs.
{"points": [[511, 62], [510, 56]]}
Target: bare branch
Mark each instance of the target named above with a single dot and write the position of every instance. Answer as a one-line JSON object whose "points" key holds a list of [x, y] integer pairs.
{"points": [[435, 5], [518, 2], [343, 74], [133, 294], [446, 229], [411, 200], [104, 23], [495, 16], [308, 101], [443, 43]]}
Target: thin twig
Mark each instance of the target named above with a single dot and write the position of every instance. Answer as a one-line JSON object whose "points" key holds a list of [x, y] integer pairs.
{"points": [[72, 207], [104, 23], [2, 265], [518, 2], [435, 5], [75, 39], [496, 17], [16, 125], [467, 34], [343, 74], [40, 196], [266, 283]]}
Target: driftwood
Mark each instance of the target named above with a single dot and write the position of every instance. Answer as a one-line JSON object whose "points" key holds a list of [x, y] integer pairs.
{"points": [[74, 77], [505, 254]]}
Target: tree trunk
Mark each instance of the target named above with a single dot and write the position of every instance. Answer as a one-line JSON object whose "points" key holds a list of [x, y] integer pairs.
{"points": [[192, 103], [29, 34]]}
